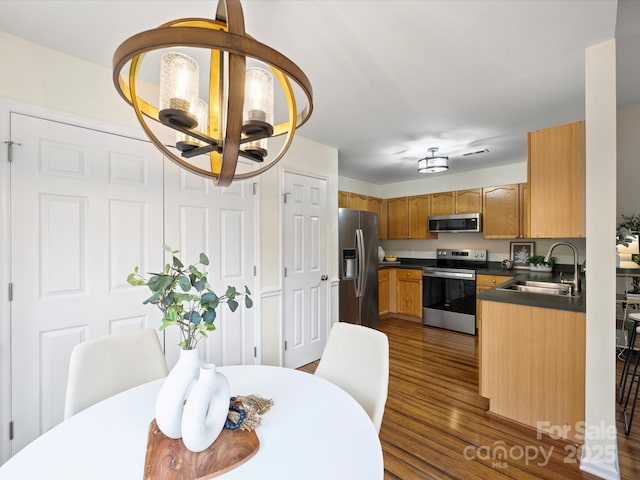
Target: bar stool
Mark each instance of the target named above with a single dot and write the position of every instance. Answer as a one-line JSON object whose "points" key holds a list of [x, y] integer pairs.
{"points": [[626, 371]]}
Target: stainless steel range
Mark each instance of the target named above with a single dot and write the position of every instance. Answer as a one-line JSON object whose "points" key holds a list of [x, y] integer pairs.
{"points": [[449, 289]]}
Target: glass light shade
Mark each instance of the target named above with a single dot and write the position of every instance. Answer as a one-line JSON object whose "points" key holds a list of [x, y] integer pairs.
{"points": [[258, 95], [179, 82], [433, 164], [201, 112], [258, 106]]}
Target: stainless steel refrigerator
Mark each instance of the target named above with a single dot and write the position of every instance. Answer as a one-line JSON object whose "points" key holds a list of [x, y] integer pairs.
{"points": [[358, 243]]}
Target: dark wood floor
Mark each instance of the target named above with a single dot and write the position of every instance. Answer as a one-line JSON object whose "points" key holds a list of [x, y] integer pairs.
{"points": [[435, 424]]}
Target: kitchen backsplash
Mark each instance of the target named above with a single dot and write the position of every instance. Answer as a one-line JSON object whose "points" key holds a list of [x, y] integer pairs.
{"points": [[498, 249]]}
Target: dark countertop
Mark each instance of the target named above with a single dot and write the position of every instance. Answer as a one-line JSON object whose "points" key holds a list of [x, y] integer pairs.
{"points": [[577, 304]]}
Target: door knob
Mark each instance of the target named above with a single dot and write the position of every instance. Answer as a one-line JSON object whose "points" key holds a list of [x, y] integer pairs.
{"points": [[324, 277]]}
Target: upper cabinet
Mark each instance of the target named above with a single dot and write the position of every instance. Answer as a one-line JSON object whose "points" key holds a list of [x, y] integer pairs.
{"points": [[506, 211], [358, 201], [379, 206], [557, 181], [407, 217], [460, 201]]}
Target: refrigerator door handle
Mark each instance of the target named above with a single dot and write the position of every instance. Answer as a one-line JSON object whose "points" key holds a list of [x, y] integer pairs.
{"points": [[360, 264], [356, 276]]}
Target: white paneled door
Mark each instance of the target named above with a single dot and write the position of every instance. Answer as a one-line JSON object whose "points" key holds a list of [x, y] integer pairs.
{"points": [[219, 221], [85, 206], [306, 320]]}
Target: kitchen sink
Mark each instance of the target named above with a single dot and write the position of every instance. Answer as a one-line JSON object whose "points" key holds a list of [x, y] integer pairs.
{"points": [[544, 288]]}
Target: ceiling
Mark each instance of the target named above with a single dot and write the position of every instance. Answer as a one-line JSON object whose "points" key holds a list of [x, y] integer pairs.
{"points": [[393, 78]]}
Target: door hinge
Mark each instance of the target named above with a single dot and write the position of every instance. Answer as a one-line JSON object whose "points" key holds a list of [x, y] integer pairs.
{"points": [[255, 270], [285, 271], [11, 430], [255, 188], [255, 352], [285, 197], [11, 292], [285, 344], [10, 145]]}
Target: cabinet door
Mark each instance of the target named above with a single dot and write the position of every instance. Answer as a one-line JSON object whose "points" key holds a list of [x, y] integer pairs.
{"points": [[397, 220], [357, 201], [418, 213], [501, 217], [378, 206], [409, 292], [525, 211], [469, 201], [485, 282], [557, 181], [383, 292], [343, 199], [442, 203]]}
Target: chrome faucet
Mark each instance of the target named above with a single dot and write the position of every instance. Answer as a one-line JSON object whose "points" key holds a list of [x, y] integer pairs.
{"points": [[576, 276]]}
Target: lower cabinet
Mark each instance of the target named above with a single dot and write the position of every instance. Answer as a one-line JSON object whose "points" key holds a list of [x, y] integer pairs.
{"points": [[532, 366], [409, 292], [383, 292], [400, 293], [485, 282]]}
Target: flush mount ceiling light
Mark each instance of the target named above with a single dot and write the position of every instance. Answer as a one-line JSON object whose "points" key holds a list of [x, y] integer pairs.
{"points": [[433, 164], [239, 115]]}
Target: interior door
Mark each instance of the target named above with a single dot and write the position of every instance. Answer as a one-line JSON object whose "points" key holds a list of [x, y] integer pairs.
{"points": [[85, 207], [219, 221], [306, 320]]}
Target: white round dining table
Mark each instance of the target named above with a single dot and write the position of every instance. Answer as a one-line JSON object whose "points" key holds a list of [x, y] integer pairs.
{"points": [[314, 430]]}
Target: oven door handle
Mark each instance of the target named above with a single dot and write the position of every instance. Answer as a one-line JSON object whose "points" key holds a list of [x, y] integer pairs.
{"points": [[453, 275]]}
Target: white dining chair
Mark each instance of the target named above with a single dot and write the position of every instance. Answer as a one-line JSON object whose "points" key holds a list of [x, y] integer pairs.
{"points": [[103, 367], [356, 359]]}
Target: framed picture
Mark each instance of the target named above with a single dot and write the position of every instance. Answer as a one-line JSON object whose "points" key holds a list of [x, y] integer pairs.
{"points": [[520, 253]]}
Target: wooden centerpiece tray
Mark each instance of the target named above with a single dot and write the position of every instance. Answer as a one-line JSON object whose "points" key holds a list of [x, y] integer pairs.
{"points": [[169, 459]]}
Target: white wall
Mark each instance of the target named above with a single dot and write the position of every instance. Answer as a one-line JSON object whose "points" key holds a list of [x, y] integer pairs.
{"points": [[600, 381], [487, 177]]}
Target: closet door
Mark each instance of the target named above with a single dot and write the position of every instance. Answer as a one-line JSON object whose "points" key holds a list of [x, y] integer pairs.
{"points": [[86, 206], [219, 221]]}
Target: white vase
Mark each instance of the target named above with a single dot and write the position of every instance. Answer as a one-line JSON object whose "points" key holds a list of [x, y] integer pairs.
{"points": [[206, 409], [380, 254], [170, 401]]}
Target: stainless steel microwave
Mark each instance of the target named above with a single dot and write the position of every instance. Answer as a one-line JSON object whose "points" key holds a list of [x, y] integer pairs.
{"points": [[464, 222]]}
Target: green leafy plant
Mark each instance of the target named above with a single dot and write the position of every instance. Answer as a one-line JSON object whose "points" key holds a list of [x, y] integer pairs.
{"points": [[630, 222], [539, 260], [185, 297], [624, 236]]}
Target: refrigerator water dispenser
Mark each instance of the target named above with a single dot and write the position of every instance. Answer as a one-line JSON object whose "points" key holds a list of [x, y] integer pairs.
{"points": [[348, 263]]}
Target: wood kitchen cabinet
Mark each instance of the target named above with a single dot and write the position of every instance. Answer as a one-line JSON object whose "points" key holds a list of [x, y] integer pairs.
{"points": [[343, 199], [506, 211], [383, 292], [379, 206], [460, 201], [525, 211], [533, 366], [407, 218], [358, 201], [557, 169], [409, 292], [501, 216], [485, 282]]}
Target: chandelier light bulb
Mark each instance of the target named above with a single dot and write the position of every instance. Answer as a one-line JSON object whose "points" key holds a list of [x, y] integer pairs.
{"points": [[179, 88]]}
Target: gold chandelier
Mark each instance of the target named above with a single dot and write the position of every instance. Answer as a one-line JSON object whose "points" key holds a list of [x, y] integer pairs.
{"points": [[239, 115]]}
